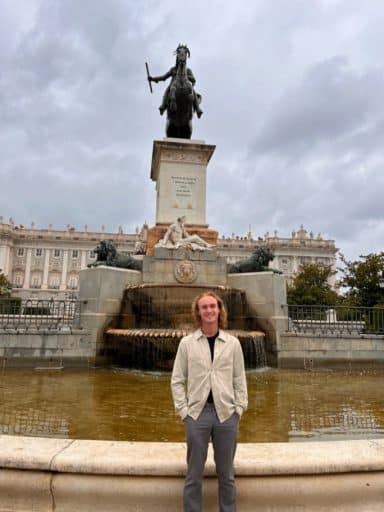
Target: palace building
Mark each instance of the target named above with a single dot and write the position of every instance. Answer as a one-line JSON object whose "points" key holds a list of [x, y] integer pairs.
{"points": [[45, 263]]}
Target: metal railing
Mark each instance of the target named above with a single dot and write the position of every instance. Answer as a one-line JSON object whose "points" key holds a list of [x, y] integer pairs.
{"points": [[338, 319], [16, 313]]}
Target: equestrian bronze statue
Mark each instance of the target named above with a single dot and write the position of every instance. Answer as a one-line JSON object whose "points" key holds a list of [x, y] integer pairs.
{"points": [[180, 99]]}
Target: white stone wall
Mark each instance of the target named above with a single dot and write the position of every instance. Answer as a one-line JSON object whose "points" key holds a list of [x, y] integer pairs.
{"points": [[37, 348], [311, 351], [66, 474]]}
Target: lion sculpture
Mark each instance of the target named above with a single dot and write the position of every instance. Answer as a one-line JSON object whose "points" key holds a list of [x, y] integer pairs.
{"points": [[258, 262], [107, 255]]}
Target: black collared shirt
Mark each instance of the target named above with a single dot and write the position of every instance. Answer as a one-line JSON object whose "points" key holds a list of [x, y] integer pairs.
{"points": [[211, 341]]}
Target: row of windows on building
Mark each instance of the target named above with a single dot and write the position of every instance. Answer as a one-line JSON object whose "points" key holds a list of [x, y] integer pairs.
{"points": [[56, 253], [36, 281], [305, 259]]}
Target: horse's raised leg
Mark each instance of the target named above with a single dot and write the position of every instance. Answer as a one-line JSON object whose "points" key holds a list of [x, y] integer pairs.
{"points": [[167, 128], [172, 99]]}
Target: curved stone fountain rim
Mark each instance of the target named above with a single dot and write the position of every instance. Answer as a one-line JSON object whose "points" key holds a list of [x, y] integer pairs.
{"points": [[173, 333], [168, 459], [224, 288]]}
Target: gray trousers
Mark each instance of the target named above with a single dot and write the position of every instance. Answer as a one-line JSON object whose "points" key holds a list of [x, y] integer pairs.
{"points": [[223, 435]]}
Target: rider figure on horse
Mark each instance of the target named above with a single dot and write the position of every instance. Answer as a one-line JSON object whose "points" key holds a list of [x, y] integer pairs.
{"points": [[182, 52]]}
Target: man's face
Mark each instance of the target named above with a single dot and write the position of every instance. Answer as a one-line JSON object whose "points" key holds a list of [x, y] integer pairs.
{"points": [[209, 311]]}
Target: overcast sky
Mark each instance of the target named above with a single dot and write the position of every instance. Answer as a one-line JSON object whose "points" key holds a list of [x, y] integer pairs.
{"points": [[293, 95]]}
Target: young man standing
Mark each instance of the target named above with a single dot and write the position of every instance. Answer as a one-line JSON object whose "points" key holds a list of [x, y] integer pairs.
{"points": [[210, 393]]}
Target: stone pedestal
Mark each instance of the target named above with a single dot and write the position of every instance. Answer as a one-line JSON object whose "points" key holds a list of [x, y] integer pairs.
{"points": [[184, 267], [179, 168], [101, 292], [266, 294]]}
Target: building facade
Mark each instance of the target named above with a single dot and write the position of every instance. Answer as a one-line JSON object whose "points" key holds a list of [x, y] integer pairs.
{"points": [[45, 263], [290, 253]]}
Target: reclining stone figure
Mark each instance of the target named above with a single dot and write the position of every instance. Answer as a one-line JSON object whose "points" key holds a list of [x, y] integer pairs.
{"points": [[178, 237]]}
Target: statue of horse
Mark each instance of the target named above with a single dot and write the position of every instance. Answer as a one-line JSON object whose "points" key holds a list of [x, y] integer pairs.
{"points": [[180, 102], [180, 99]]}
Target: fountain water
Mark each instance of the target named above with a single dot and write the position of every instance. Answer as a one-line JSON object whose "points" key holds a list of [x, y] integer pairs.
{"points": [[154, 318]]}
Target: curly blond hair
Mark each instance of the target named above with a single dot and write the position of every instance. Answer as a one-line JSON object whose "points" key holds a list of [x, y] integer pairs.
{"points": [[223, 316]]}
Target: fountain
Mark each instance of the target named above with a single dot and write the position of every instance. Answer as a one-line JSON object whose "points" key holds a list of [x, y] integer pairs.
{"points": [[154, 318], [138, 317]]}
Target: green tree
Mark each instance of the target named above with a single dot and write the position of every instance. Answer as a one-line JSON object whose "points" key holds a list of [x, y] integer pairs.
{"points": [[8, 304], [363, 280], [311, 286], [4, 286]]}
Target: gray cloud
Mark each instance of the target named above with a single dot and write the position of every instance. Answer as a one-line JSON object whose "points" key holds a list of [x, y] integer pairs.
{"points": [[292, 95], [332, 102]]}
